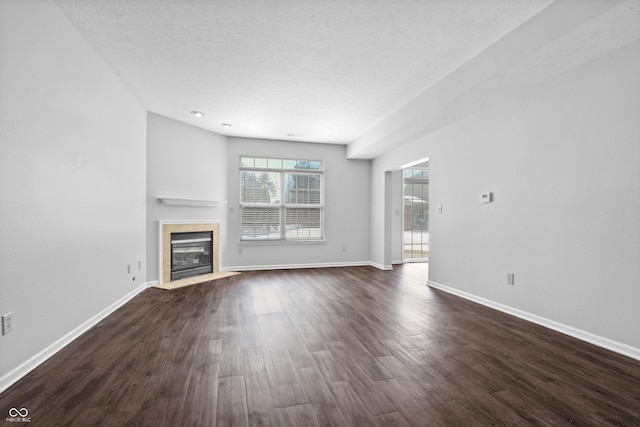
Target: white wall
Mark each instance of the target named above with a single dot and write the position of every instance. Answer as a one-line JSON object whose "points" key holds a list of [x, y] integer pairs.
{"points": [[183, 162], [346, 209], [563, 161], [72, 181], [397, 213]]}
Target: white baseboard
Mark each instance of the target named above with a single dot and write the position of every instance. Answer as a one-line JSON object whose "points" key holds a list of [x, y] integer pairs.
{"points": [[598, 340], [295, 266], [23, 369], [381, 266]]}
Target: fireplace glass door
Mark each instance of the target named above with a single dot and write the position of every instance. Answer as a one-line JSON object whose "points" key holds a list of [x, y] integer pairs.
{"points": [[191, 254]]}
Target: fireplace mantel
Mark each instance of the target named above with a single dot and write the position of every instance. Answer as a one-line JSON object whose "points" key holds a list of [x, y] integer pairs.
{"points": [[190, 202]]}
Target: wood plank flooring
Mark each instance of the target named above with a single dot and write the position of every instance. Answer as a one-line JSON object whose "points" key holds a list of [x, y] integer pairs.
{"points": [[319, 347]]}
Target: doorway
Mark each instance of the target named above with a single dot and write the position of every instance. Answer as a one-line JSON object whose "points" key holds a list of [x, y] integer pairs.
{"points": [[415, 238]]}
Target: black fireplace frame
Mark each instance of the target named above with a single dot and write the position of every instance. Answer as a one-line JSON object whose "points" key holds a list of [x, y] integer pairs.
{"points": [[193, 239]]}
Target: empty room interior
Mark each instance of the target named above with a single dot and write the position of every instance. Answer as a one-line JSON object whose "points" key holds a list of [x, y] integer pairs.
{"points": [[309, 213]]}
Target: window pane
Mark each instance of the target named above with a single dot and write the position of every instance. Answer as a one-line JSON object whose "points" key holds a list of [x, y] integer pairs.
{"points": [[247, 162], [261, 163], [314, 165], [260, 187], [289, 164], [302, 189], [303, 223], [314, 197], [274, 164], [260, 223]]}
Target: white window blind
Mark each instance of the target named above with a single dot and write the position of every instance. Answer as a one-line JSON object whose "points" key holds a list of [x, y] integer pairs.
{"points": [[281, 199]]}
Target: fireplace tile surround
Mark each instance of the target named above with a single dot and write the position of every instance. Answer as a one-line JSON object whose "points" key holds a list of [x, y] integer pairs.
{"points": [[165, 228]]}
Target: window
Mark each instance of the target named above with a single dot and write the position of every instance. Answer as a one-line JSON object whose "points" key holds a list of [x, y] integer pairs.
{"points": [[281, 199]]}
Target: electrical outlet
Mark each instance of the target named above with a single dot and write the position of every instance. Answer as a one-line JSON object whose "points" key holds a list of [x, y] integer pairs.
{"points": [[344, 249], [239, 251], [510, 279], [139, 265], [7, 323], [128, 268]]}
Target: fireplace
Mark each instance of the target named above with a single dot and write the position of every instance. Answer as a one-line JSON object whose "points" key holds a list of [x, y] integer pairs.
{"points": [[191, 254], [188, 251]]}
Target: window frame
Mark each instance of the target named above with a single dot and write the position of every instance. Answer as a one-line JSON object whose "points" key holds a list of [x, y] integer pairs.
{"points": [[282, 205]]}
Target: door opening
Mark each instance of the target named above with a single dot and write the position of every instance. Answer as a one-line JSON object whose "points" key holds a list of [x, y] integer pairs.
{"points": [[415, 239]]}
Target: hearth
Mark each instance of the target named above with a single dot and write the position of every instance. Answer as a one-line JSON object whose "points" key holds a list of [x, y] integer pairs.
{"points": [[191, 254]]}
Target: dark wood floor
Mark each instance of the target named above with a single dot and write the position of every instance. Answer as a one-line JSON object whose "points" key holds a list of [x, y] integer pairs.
{"points": [[334, 346]]}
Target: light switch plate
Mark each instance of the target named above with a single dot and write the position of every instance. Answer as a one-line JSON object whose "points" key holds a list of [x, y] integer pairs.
{"points": [[486, 197]]}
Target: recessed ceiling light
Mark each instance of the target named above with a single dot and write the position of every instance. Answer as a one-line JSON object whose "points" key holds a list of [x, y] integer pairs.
{"points": [[198, 113], [225, 125]]}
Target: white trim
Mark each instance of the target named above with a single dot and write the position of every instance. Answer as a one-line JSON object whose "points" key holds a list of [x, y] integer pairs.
{"points": [[381, 266], [24, 368], [191, 202], [296, 266], [580, 334]]}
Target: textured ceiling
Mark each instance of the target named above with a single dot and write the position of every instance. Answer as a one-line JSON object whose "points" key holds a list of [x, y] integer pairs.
{"points": [[326, 71]]}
